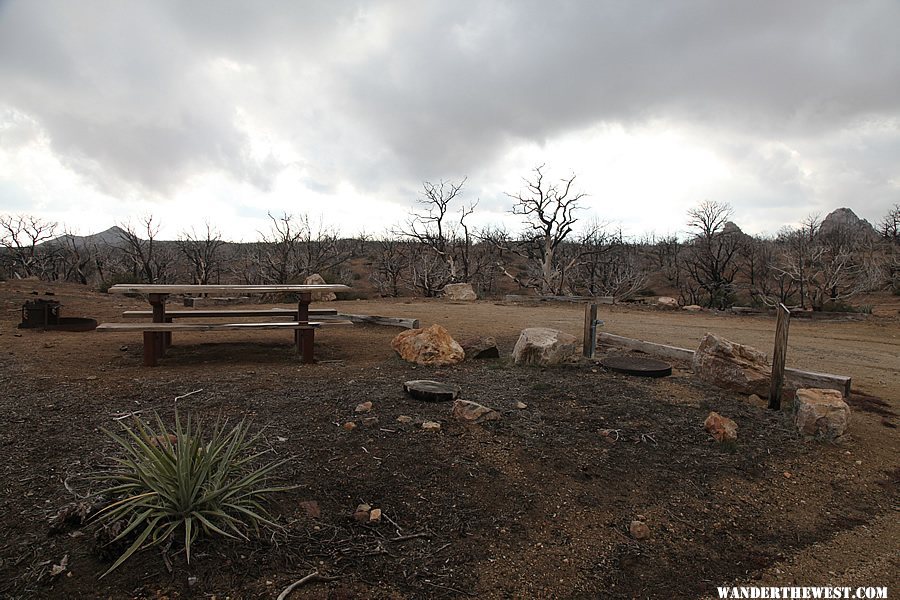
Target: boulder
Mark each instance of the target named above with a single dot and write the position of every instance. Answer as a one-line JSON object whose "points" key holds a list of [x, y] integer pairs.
{"points": [[429, 346], [431, 391], [721, 428], [459, 291], [480, 347], [543, 346], [467, 410], [732, 366], [316, 279], [667, 301], [821, 413]]}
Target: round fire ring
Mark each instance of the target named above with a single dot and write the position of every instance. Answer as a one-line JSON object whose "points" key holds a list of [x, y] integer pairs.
{"points": [[633, 365]]}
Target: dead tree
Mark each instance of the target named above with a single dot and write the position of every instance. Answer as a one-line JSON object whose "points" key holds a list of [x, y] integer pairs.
{"points": [[445, 239], [710, 256], [390, 262], [147, 260], [549, 214], [22, 236], [203, 253], [293, 249]]}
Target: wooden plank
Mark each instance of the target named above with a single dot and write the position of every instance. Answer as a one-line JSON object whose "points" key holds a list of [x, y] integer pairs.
{"points": [[157, 327], [590, 330], [778, 356], [128, 288], [377, 320], [592, 299], [671, 352], [215, 313], [810, 379], [795, 378]]}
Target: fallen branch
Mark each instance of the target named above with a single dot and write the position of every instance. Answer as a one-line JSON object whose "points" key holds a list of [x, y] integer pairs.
{"points": [[177, 398], [314, 576], [411, 536]]}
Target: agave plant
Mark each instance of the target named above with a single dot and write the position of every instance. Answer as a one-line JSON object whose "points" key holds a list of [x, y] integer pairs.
{"points": [[170, 484]]}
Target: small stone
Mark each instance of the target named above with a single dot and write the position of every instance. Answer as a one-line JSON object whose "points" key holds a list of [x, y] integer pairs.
{"points": [[370, 421], [312, 509], [160, 440], [639, 530], [91, 377], [363, 407], [472, 411], [349, 425], [404, 419], [692, 308], [721, 428], [123, 348], [375, 515], [361, 514], [521, 405], [787, 474], [431, 426]]}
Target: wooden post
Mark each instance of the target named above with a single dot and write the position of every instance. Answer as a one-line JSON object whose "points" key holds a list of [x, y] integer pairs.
{"points": [[778, 355], [590, 330]]}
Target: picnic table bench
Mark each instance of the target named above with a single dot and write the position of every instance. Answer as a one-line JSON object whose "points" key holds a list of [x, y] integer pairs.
{"points": [[237, 313], [157, 334]]}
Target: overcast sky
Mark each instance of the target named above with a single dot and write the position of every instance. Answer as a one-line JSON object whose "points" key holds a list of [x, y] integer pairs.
{"points": [[224, 110]]}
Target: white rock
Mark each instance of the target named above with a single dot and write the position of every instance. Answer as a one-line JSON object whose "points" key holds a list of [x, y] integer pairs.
{"points": [[821, 413], [543, 346]]}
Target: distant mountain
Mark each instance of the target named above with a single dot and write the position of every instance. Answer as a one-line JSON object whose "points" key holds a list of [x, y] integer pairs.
{"points": [[111, 237], [845, 220]]}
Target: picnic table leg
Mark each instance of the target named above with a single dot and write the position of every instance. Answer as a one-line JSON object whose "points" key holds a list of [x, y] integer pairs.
{"points": [[158, 302], [305, 337], [150, 339]]}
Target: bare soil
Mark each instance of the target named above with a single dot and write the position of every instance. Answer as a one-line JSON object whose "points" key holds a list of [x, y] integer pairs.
{"points": [[537, 504]]}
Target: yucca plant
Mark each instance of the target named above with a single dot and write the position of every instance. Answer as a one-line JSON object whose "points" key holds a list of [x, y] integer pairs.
{"points": [[170, 484]]}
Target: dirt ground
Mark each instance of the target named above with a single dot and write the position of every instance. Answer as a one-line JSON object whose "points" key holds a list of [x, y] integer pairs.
{"points": [[537, 504]]}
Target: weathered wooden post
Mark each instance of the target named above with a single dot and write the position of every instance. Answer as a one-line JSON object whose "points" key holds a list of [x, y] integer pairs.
{"points": [[590, 330], [782, 323]]}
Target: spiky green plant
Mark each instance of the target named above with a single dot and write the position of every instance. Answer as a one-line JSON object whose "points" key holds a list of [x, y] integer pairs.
{"points": [[172, 483]]}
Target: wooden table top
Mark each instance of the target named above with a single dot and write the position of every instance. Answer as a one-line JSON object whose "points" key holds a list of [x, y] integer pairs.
{"points": [[140, 288]]}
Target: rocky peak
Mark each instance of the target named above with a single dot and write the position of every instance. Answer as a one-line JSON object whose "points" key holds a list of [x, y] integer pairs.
{"points": [[845, 220]]}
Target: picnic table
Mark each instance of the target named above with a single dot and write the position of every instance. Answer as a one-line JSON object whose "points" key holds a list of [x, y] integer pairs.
{"points": [[157, 334]]}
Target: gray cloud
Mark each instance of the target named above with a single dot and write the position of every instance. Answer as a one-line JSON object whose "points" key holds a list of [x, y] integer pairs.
{"points": [[146, 95]]}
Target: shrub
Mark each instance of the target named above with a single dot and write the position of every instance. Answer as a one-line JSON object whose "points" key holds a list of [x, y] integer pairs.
{"points": [[170, 483]]}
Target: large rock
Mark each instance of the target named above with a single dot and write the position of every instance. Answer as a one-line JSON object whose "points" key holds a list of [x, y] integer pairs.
{"points": [[721, 428], [459, 291], [543, 346], [467, 410], [429, 346], [316, 279], [667, 301], [821, 413], [480, 347], [732, 366]]}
